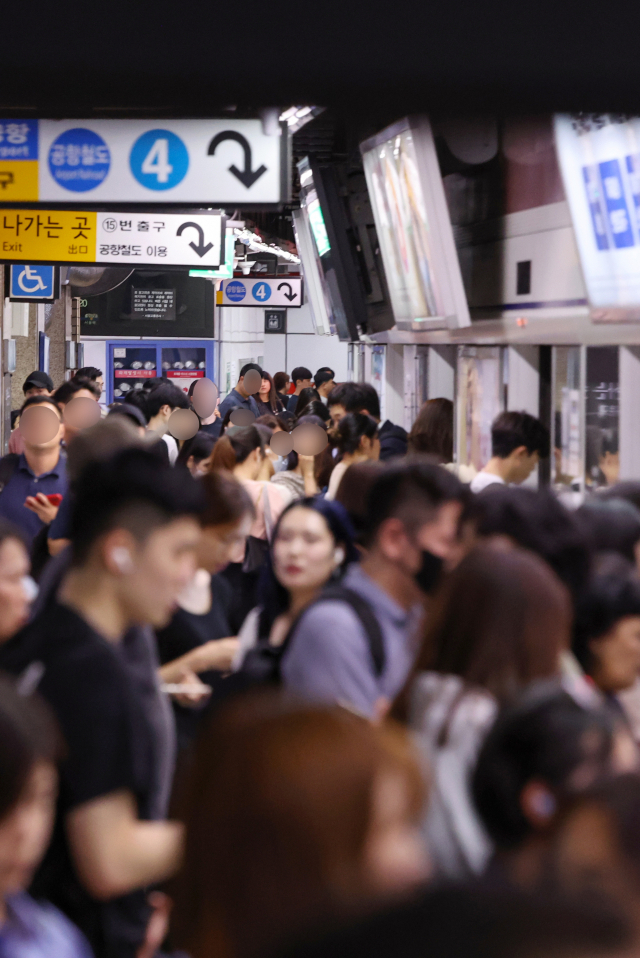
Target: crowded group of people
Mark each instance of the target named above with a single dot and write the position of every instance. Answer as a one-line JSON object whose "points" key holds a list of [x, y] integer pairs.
{"points": [[330, 701]]}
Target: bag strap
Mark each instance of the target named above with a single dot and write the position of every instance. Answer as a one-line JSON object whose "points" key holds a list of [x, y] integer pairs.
{"points": [[362, 609], [8, 465], [266, 509]]}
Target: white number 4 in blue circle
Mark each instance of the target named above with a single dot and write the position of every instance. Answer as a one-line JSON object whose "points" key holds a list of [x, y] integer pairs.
{"points": [[261, 291]]}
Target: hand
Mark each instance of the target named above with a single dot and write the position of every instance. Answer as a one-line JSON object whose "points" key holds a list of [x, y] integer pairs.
{"points": [[217, 654], [44, 510], [157, 926], [307, 464], [191, 700], [216, 411]]}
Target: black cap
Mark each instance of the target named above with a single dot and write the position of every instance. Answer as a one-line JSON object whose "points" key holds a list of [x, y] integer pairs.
{"points": [[38, 379], [127, 409]]}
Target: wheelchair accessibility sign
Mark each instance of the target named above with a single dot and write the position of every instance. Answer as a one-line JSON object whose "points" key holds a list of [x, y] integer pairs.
{"points": [[34, 284]]}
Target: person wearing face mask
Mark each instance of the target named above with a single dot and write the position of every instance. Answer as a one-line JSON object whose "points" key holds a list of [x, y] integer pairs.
{"points": [[413, 508], [199, 641], [312, 544], [498, 622]]}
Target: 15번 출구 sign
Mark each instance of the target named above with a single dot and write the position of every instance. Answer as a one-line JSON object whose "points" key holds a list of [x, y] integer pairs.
{"points": [[65, 236], [212, 162]]}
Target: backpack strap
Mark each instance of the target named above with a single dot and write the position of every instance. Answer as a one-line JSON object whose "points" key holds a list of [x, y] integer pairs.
{"points": [[8, 465], [370, 624]]}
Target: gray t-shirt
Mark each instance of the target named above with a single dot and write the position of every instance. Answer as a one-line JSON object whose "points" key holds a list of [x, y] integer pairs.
{"points": [[329, 657]]}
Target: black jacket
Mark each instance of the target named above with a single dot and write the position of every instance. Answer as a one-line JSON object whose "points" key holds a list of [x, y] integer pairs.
{"points": [[393, 441]]}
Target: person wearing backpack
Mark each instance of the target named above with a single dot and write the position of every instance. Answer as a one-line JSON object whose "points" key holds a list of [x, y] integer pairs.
{"points": [[312, 546], [413, 512]]}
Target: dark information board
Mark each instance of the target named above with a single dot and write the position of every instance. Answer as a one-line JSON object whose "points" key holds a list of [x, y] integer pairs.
{"points": [[153, 303]]}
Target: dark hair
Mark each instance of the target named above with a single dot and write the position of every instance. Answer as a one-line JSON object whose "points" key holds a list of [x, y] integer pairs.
{"points": [[510, 430], [545, 736], [165, 395], [410, 490], [628, 490], [323, 376], [134, 487], [235, 447], [28, 734], [537, 521], [607, 599], [363, 397], [273, 597], [353, 490], [247, 367], [307, 395], [68, 389], [499, 621], [40, 401], [127, 410], [304, 419], [432, 431], [272, 421], [299, 373], [315, 408], [280, 380], [351, 429], [89, 372], [273, 400], [341, 395], [226, 499], [100, 442], [199, 446], [611, 525]]}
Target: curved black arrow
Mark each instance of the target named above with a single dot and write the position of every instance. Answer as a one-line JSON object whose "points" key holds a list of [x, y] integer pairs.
{"points": [[247, 176], [200, 248], [290, 295]]}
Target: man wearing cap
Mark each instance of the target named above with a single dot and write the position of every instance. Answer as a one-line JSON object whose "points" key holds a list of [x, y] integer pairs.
{"points": [[37, 383]]}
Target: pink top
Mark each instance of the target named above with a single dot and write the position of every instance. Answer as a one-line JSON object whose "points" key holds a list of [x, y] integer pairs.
{"points": [[268, 498]]}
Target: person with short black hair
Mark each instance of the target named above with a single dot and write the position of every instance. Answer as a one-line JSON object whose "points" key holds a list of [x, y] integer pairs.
{"points": [[301, 378], [518, 442], [239, 397], [77, 388], [160, 403], [30, 748], [92, 373], [338, 399], [133, 413], [134, 532], [413, 508], [324, 382], [393, 439], [29, 479]]}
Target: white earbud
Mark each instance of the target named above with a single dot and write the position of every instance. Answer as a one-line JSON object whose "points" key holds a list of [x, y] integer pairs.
{"points": [[121, 557], [339, 555]]}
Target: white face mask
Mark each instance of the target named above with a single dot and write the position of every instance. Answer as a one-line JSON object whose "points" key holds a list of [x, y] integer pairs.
{"points": [[30, 587]]}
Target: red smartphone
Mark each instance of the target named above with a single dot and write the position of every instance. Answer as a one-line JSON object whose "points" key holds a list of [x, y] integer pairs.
{"points": [[55, 498]]}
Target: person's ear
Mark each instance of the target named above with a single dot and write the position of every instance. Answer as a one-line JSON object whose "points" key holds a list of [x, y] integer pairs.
{"points": [[118, 552], [392, 540], [165, 411], [538, 804]]}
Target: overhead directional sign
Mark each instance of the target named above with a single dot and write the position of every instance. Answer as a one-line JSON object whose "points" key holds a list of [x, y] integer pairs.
{"points": [[250, 291], [158, 239], [37, 284], [216, 162]]}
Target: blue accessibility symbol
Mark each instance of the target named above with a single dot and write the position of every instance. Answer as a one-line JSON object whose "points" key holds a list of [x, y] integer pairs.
{"points": [[235, 291], [261, 292], [79, 160], [33, 282], [159, 160]]}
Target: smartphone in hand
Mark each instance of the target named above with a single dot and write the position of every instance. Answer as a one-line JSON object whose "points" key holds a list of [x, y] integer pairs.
{"points": [[55, 498]]}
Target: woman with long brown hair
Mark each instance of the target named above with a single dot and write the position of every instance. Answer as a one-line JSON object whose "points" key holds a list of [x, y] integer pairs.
{"points": [[432, 431], [296, 815], [498, 622]]}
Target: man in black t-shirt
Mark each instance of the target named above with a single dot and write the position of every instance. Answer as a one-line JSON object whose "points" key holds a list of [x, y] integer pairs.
{"points": [[134, 531]]}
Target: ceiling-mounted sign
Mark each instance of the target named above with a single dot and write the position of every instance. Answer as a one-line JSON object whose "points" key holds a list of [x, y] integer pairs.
{"points": [[33, 284], [599, 158], [158, 239], [251, 291], [215, 162]]}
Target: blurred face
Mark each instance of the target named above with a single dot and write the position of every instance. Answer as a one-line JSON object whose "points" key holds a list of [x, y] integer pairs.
{"points": [[155, 571], [403, 546], [617, 656], [38, 427], [304, 551], [14, 600], [220, 545], [337, 412], [395, 857], [25, 831]]}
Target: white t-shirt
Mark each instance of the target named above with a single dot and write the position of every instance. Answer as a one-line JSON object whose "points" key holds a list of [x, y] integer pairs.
{"points": [[172, 446], [483, 479]]}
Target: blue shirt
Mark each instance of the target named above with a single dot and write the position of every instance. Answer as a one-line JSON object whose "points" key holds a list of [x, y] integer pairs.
{"points": [[24, 483], [34, 930], [235, 399], [329, 658]]}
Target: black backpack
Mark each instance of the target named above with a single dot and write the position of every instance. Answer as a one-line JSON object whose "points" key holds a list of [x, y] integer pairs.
{"points": [[262, 663]]}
